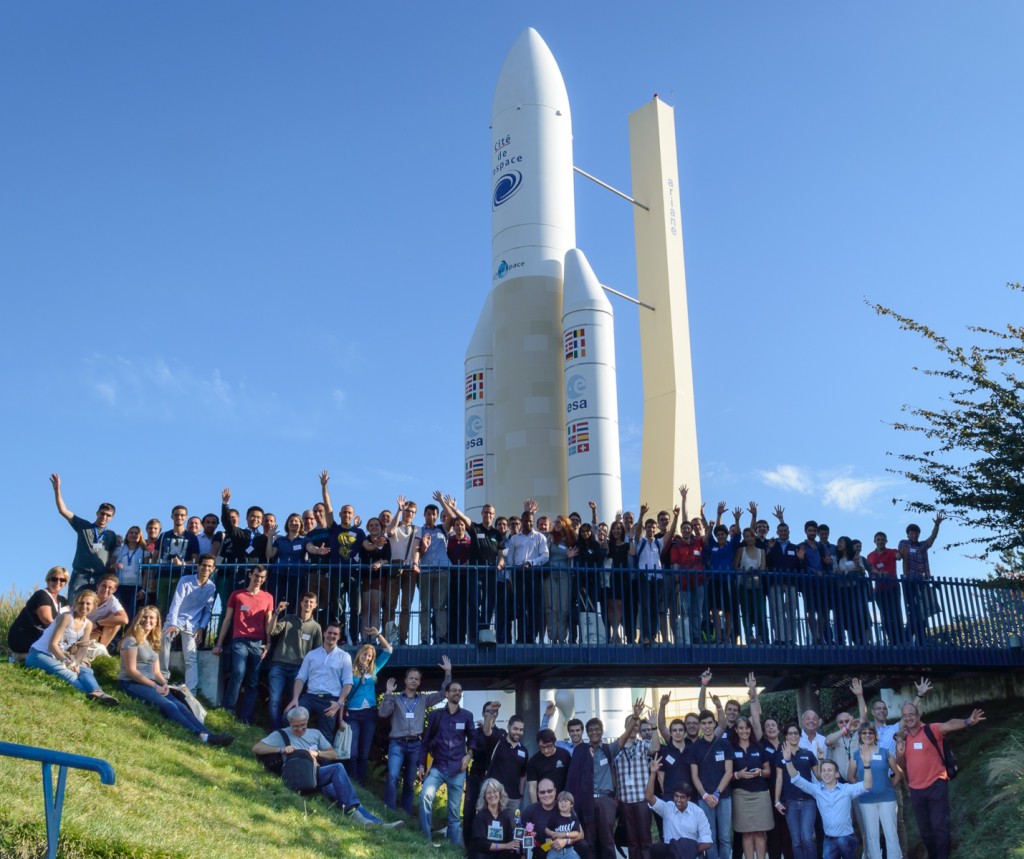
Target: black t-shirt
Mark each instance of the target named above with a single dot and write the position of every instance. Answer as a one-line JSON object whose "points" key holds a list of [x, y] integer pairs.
{"points": [[555, 767], [484, 749], [710, 758], [508, 765], [26, 629], [540, 818], [486, 544], [346, 544], [563, 825], [488, 830], [804, 761], [675, 765]]}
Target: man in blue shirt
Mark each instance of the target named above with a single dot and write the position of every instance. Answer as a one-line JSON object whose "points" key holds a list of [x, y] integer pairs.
{"points": [[96, 543], [834, 801], [450, 742], [189, 616]]}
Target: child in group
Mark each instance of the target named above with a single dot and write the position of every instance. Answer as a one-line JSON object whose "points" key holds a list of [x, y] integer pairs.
{"points": [[564, 829]]}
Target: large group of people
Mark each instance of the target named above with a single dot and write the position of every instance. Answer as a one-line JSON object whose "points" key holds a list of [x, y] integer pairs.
{"points": [[526, 579]]}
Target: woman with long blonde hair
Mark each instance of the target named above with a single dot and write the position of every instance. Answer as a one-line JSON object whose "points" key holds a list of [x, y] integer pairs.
{"points": [[141, 678], [361, 705]]}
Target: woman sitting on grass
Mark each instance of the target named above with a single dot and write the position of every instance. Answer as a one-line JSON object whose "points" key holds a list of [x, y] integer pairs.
{"points": [[141, 678], [39, 612], [58, 650]]}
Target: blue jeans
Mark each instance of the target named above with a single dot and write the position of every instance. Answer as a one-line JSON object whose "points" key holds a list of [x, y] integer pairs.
{"points": [[362, 724], [435, 778], [281, 680], [334, 784], [318, 706], [83, 681], [246, 654], [720, 821], [402, 758], [840, 847], [800, 814], [169, 706]]}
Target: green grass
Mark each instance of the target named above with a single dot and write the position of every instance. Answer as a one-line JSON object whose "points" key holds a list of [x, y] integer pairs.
{"points": [[174, 797]]}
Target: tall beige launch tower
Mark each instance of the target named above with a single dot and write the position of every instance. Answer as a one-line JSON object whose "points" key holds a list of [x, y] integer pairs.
{"points": [[670, 424]]}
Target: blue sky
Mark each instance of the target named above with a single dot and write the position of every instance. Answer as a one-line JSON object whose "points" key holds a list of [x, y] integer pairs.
{"points": [[241, 242]]}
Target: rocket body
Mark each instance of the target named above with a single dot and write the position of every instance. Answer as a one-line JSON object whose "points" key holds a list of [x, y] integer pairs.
{"points": [[591, 399], [533, 226]]}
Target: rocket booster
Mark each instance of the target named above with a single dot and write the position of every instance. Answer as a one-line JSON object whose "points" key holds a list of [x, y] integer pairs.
{"points": [[591, 400], [479, 417], [533, 226]]}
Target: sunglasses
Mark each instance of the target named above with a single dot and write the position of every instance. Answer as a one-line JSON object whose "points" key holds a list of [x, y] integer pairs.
{"points": [[56, 579]]}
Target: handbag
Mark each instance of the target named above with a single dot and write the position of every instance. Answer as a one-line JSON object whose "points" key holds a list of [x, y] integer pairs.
{"points": [[343, 743]]}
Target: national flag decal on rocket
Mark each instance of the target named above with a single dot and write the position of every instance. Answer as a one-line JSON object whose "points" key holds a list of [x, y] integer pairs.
{"points": [[578, 437], [474, 472], [575, 343], [474, 386]]}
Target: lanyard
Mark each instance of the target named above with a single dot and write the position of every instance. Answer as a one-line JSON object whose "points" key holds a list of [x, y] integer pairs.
{"points": [[97, 535], [409, 709]]}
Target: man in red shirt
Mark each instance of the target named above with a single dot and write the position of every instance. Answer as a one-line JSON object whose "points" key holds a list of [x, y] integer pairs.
{"points": [[887, 589], [921, 757], [247, 617]]}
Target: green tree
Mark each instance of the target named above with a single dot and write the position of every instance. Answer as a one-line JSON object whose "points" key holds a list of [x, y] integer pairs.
{"points": [[975, 462]]}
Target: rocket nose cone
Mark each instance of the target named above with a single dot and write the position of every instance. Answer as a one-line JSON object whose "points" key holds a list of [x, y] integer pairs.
{"points": [[581, 289], [530, 75]]}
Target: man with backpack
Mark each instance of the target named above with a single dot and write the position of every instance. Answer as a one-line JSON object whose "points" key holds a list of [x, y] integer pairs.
{"points": [[302, 749], [929, 765]]}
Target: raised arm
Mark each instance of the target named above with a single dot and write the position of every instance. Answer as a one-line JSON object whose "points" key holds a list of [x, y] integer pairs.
{"points": [[857, 688], [705, 679], [650, 793], [326, 496], [935, 530], [593, 513], [62, 508], [959, 724], [755, 707], [662, 724]]}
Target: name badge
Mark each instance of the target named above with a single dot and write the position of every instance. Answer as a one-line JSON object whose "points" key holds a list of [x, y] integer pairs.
{"points": [[719, 756], [460, 726], [296, 547], [737, 754], [494, 832], [670, 759], [604, 762], [755, 754], [306, 636], [249, 550], [919, 746], [410, 715], [791, 552], [876, 756], [521, 753], [244, 607], [913, 551]]}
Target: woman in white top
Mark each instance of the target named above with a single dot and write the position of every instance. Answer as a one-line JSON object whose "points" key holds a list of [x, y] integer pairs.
{"points": [[56, 650], [750, 560], [851, 604], [126, 565]]}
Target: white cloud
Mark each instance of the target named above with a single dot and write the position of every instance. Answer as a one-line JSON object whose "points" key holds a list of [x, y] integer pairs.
{"points": [[850, 493], [338, 396], [106, 391], [792, 477]]}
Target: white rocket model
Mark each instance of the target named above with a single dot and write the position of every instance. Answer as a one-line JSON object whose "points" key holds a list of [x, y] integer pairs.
{"points": [[591, 400], [533, 220], [521, 358]]}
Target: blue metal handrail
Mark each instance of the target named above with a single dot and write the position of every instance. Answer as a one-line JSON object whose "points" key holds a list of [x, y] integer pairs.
{"points": [[53, 802]]}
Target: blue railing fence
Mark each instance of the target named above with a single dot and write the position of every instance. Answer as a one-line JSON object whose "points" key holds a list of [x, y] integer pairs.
{"points": [[53, 800], [582, 607]]}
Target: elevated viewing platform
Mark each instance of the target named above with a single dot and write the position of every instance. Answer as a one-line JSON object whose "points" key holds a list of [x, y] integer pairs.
{"points": [[612, 627]]}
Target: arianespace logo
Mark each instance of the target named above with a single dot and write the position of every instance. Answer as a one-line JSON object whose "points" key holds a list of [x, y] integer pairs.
{"points": [[505, 267], [506, 187]]}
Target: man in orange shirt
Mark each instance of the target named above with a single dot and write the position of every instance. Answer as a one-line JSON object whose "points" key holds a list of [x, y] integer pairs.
{"points": [[919, 752]]}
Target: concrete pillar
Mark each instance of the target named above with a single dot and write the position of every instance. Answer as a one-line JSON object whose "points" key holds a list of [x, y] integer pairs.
{"points": [[807, 698], [528, 706]]}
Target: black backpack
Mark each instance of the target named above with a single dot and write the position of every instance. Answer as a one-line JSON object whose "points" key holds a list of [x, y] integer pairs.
{"points": [[298, 769], [945, 752]]}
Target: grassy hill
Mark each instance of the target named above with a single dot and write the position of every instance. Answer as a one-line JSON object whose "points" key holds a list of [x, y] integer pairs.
{"points": [[174, 797]]}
